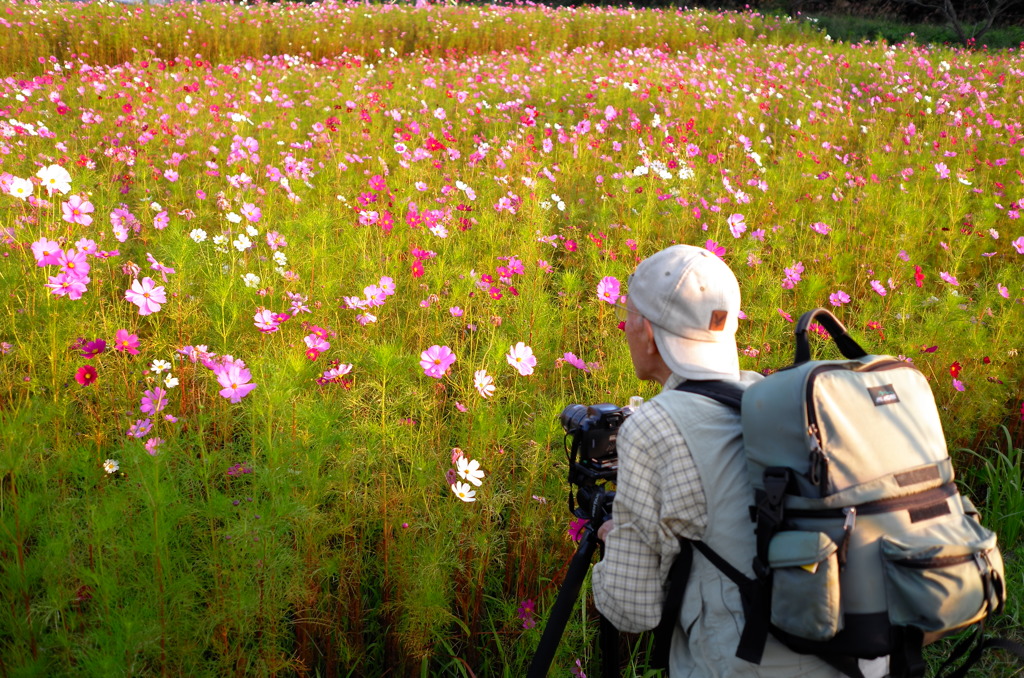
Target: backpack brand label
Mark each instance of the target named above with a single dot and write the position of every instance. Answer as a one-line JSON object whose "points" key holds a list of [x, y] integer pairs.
{"points": [[883, 395]]}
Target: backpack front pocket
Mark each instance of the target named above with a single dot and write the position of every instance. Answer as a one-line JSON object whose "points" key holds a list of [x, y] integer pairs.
{"points": [[943, 578], [805, 584]]}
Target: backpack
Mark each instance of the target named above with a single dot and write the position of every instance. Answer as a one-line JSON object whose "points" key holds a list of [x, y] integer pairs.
{"points": [[865, 547]]}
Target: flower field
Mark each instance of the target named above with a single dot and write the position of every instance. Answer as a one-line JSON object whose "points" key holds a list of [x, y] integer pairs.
{"points": [[295, 293]]}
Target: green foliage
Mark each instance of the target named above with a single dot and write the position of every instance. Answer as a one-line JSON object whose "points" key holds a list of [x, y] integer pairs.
{"points": [[996, 481], [855, 29]]}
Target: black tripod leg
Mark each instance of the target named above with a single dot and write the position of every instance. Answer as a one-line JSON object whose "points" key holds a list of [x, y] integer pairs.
{"points": [[609, 649], [563, 606]]}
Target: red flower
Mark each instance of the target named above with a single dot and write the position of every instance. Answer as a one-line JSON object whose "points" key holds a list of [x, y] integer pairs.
{"points": [[918, 276], [85, 375], [954, 369], [312, 354]]}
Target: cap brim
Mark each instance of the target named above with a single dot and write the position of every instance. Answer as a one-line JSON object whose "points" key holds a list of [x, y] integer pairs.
{"points": [[698, 359]]}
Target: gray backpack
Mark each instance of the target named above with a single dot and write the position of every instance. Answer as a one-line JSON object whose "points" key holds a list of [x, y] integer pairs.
{"points": [[865, 547]]}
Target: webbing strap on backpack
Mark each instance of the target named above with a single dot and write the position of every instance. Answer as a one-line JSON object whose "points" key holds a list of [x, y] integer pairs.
{"points": [[678, 575]]}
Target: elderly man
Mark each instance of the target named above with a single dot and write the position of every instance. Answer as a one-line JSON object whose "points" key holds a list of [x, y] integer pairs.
{"points": [[682, 473]]}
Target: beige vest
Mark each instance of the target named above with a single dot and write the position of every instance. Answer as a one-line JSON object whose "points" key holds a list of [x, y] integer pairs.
{"points": [[711, 620]]}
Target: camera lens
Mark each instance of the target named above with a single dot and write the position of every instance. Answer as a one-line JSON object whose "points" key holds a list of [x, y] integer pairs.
{"points": [[572, 416]]}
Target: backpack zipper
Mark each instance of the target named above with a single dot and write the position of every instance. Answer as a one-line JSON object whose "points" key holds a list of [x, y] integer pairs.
{"points": [[818, 462], [945, 561]]}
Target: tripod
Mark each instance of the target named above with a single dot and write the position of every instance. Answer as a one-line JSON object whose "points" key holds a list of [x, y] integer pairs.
{"points": [[564, 603]]}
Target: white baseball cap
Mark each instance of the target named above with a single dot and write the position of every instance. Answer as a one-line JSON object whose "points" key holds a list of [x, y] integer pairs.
{"points": [[692, 300]]}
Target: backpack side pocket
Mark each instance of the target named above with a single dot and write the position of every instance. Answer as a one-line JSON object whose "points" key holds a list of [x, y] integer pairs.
{"points": [[805, 584], [943, 578]]}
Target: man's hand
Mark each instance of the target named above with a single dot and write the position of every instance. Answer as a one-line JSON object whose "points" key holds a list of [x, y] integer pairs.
{"points": [[605, 528]]}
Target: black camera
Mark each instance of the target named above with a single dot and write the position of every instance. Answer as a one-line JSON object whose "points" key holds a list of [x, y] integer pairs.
{"points": [[593, 458]]}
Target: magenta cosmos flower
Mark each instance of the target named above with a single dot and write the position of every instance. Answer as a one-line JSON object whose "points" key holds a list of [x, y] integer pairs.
{"points": [[127, 342], [436, 361], [147, 295], [86, 375]]}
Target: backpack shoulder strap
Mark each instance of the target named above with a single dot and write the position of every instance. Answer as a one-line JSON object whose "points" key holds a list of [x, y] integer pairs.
{"points": [[755, 629], [723, 392]]}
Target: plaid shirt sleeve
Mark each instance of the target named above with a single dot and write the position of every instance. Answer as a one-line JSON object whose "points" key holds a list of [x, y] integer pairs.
{"points": [[658, 496]]}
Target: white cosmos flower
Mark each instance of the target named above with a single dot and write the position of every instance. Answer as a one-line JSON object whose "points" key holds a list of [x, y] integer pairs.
{"points": [[469, 469], [463, 492], [20, 188], [242, 243], [483, 383], [55, 178], [111, 466]]}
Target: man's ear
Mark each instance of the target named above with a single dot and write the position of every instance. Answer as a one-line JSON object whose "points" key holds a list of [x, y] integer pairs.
{"points": [[652, 346]]}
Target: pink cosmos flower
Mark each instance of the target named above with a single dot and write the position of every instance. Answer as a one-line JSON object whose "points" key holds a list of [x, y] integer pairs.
{"points": [[375, 296], [793, 275], [878, 287], [251, 212], [942, 170], [576, 527], [235, 380], [77, 211], [1018, 245], [951, 279], [715, 248], [161, 220], [275, 240], [140, 428], [455, 312], [47, 252], [387, 284], [436, 361], [67, 284], [153, 401], [1003, 291], [959, 385], [839, 298], [152, 445], [146, 295], [521, 357], [87, 246], [74, 263], [821, 227], [737, 226], [576, 362], [608, 289], [157, 266], [265, 321], [316, 342], [128, 343]]}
